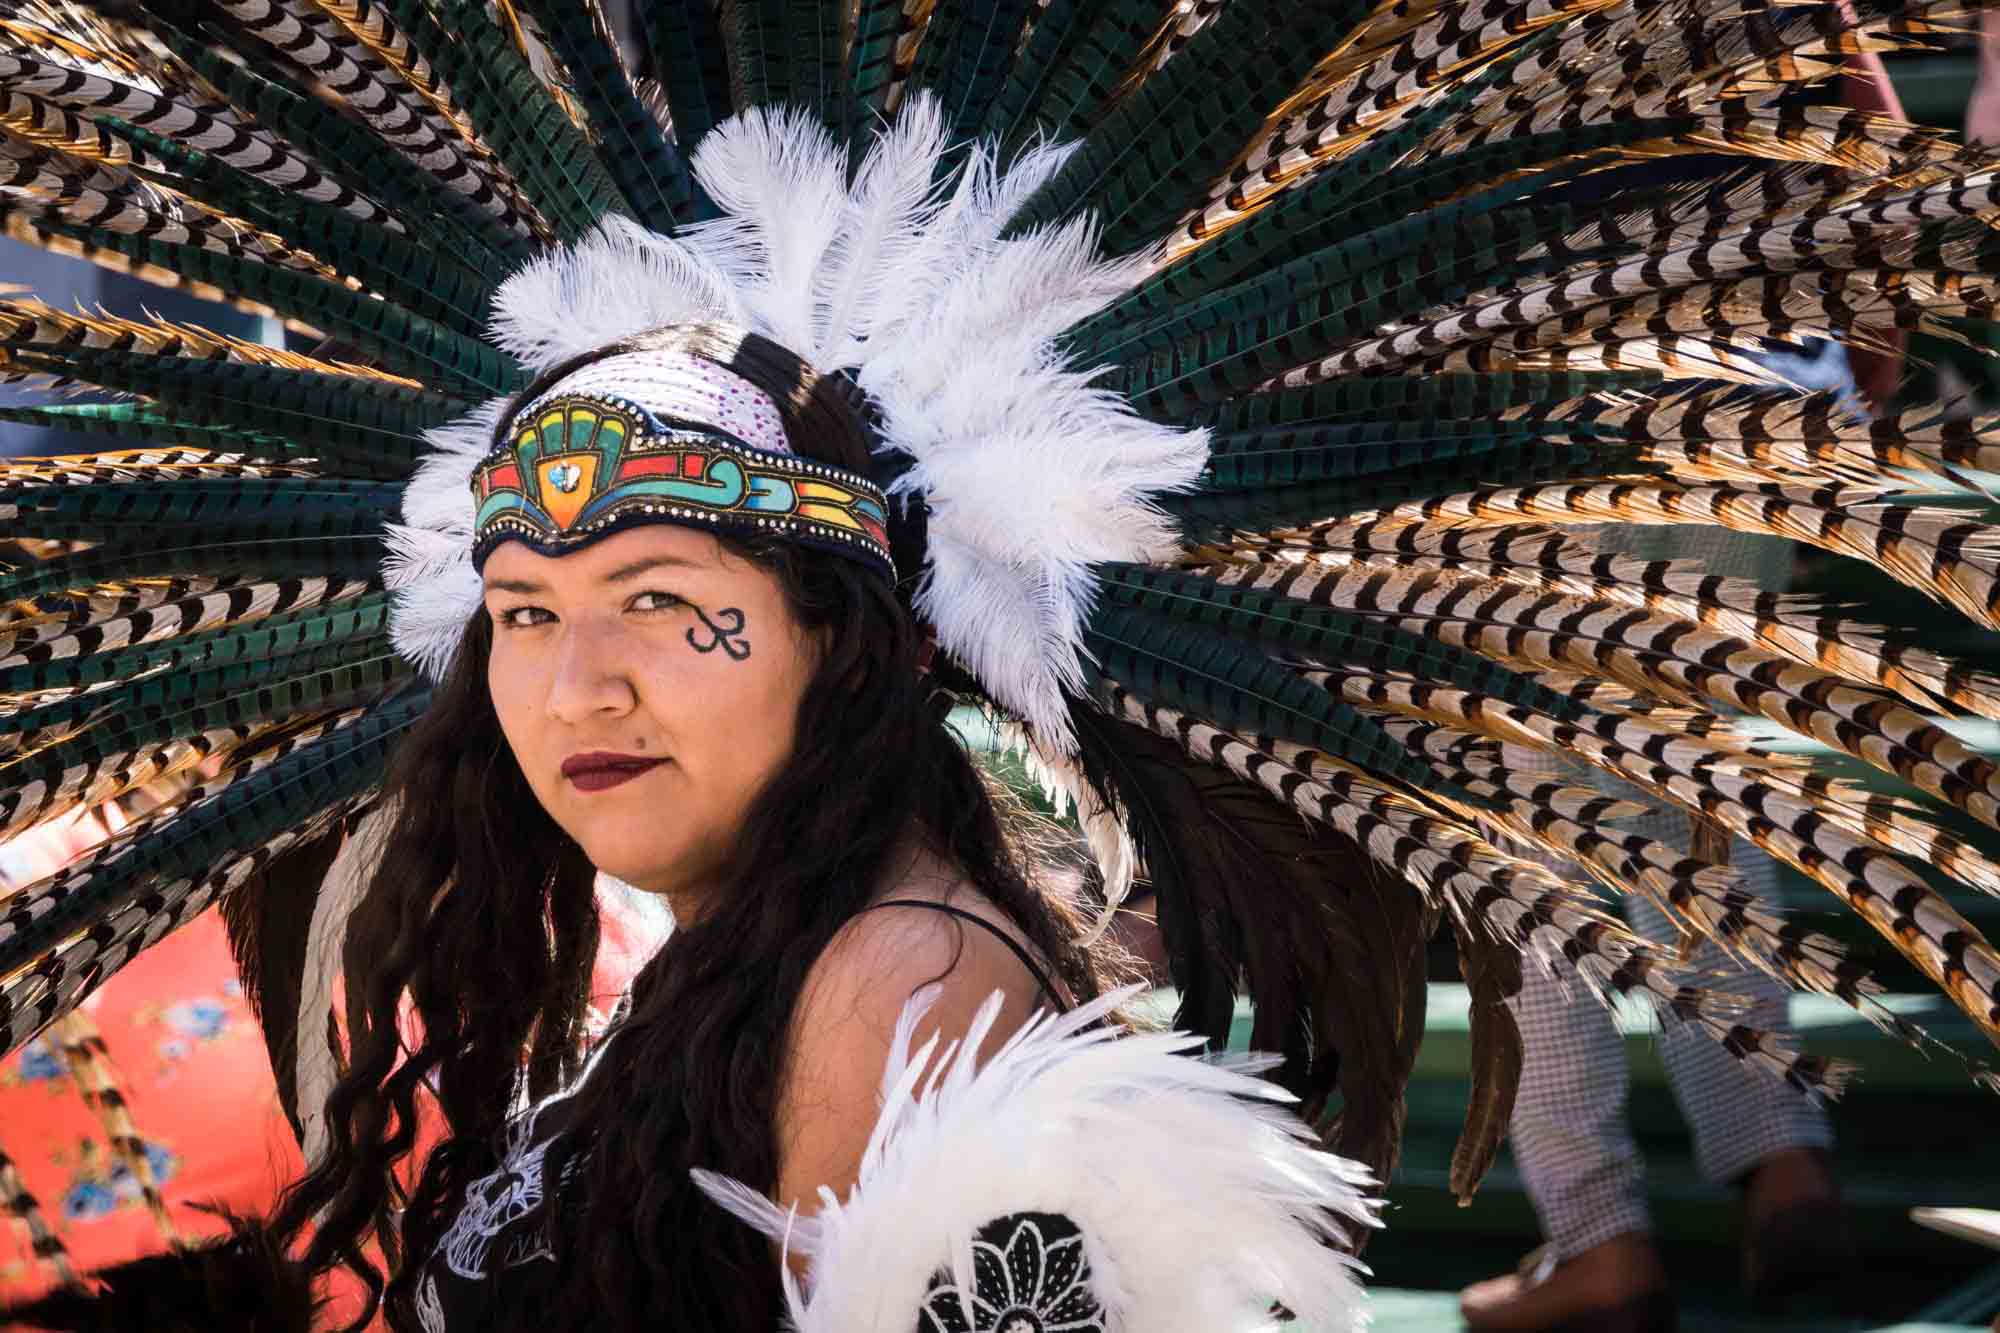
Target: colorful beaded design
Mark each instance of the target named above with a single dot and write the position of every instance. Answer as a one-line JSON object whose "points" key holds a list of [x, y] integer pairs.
{"points": [[581, 467]]}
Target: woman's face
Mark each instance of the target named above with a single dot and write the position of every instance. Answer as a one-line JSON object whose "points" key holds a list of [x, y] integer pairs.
{"points": [[649, 686]]}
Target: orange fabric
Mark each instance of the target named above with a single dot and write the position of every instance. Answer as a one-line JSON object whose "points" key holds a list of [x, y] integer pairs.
{"points": [[190, 1061], [189, 1058]]}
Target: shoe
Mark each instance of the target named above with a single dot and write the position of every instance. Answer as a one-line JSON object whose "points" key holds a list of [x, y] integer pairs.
{"points": [[1586, 1294], [1798, 1244], [1795, 1249]]}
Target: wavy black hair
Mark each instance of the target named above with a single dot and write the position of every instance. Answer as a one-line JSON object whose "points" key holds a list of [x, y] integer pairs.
{"points": [[481, 913]]}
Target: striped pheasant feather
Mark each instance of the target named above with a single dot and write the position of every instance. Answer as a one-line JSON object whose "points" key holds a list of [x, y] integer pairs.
{"points": [[32, 1225], [1890, 897], [1508, 896], [81, 1048]]}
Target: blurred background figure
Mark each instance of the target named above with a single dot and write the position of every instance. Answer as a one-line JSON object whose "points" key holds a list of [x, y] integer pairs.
{"points": [[1599, 1268], [1982, 112]]}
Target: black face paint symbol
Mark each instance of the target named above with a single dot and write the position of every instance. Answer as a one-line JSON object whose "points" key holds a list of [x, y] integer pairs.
{"points": [[726, 632]]}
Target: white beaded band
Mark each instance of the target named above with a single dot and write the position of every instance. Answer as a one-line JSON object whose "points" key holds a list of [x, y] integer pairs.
{"points": [[679, 387]]}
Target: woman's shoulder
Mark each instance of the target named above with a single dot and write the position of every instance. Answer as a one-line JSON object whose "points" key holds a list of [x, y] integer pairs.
{"points": [[931, 926], [859, 997]]}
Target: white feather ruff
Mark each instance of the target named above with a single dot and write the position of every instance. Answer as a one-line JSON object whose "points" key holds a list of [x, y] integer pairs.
{"points": [[1201, 1203], [1031, 473]]}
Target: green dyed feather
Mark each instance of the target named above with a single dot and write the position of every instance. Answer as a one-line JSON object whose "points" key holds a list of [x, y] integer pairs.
{"points": [[272, 555], [685, 40], [513, 113], [345, 148], [1076, 56], [339, 674], [144, 424], [1154, 153], [1248, 333], [325, 679], [1328, 209], [1377, 181], [408, 344], [1249, 491], [1175, 664], [245, 814], [1464, 244], [269, 637], [426, 279], [110, 727], [1320, 632], [1299, 455], [361, 424], [967, 50], [1428, 398], [244, 507], [647, 169], [871, 66], [787, 53]]}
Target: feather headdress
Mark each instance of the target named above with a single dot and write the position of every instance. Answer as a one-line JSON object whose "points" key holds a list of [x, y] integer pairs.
{"points": [[1252, 368], [904, 281]]}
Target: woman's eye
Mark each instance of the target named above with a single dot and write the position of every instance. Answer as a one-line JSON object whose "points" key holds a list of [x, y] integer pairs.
{"points": [[655, 601], [523, 617]]}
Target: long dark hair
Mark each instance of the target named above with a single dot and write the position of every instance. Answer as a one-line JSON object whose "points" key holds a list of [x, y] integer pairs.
{"points": [[481, 912]]}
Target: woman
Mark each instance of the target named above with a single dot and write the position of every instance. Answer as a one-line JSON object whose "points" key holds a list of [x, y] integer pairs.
{"points": [[1233, 380], [739, 724]]}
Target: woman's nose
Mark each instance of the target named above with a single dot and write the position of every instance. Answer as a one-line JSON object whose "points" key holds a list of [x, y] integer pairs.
{"points": [[591, 678]]}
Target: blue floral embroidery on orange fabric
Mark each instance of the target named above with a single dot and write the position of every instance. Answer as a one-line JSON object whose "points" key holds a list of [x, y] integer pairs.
{"points": [[37, 1063], [101, 1185]]}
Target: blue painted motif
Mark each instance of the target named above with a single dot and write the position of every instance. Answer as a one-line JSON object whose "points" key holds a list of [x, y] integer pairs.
{"points": [[772, 495]]}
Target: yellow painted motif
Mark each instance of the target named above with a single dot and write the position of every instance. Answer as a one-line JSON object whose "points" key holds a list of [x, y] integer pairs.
{"points": [[837, 515]]}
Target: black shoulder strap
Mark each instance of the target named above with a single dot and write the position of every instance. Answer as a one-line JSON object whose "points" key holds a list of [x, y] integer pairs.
{"points": [[1027, 959]]}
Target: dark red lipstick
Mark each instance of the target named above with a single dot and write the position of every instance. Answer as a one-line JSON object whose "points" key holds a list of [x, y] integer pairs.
{"points": [[601, 770]]}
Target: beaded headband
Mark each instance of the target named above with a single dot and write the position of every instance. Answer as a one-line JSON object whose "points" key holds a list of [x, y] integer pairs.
{"points": [[664, 437]]}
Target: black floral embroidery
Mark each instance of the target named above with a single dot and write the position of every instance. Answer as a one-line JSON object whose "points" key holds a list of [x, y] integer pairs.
{"points": [[1029, 1276]]}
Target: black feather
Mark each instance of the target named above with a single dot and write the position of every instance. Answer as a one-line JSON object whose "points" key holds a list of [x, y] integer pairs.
{"points": [[1254, 900], [241, 1284]]}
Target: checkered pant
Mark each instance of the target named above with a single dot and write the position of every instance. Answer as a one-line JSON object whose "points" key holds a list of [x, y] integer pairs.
{"points": [[1569, 1131]]}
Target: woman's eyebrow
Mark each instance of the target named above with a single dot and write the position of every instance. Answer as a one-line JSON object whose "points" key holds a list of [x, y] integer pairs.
{"points": [[638, 567], [527, 587]]}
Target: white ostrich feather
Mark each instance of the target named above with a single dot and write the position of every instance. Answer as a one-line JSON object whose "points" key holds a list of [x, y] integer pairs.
{"points": [[782, 184], [1032, 473], [429, 565], [879, 252], [619, 280], [1202, 1203]]}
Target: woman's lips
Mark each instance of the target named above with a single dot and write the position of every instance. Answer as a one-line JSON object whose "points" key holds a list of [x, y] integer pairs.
{"points": [[601, 770]]}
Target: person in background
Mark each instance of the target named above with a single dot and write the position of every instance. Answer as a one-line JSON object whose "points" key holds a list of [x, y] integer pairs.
{"points": [[1600, 1268], [1982, 112]]}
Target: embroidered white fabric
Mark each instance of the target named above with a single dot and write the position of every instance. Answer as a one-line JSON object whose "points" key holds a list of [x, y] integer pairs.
{"points": [[677, 386], [496, 1201], [430, 1309]]}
